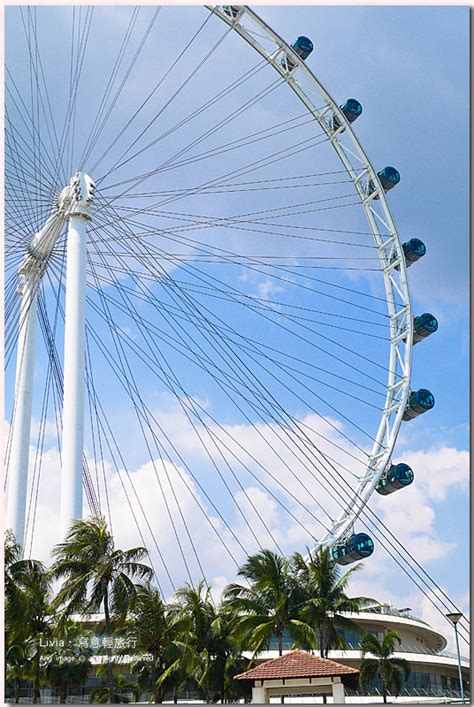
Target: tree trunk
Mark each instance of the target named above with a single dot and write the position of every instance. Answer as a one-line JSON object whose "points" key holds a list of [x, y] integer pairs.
{"points": [[62, 696], [175, 695], [153, 679], [110, 675], [36, 680], [17, 691], [280, 642]]}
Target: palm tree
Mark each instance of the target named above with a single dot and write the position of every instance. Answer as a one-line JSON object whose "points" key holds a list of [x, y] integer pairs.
{"points": [[326, 600], [18, 667], [97, 575], [393, 672], [37, 595], [217, 654], [116, 693], [270, 605], [159, 634], [69, 664], [15, 571]]}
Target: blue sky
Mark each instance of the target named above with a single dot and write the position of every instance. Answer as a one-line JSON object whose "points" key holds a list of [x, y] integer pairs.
{"points": [[408, 66]]}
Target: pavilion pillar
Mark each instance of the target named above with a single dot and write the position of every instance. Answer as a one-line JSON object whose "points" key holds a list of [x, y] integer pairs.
{"points": [[260, 696], [338, 692]]}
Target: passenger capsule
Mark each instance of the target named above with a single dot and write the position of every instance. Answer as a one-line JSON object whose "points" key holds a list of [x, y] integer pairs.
{"points": [[420, 401], [398, 476], [389, 178], [301, 46], [232, 11], [357, 547], [424, 326], [414, 249], [351, 110]]}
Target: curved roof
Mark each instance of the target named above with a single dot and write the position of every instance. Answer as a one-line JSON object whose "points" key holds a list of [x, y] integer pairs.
{"points": [[297, 664]]}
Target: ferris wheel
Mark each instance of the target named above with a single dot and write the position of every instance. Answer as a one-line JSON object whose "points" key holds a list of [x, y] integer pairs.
{"points": [[202, 233]]}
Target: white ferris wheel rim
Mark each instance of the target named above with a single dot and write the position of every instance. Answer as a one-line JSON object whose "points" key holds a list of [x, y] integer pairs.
{"points": [[249, 26]]}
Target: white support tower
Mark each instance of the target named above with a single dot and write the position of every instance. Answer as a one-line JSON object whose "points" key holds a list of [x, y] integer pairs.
{"points": [[73, 203], [21, 423], [74, 350]]}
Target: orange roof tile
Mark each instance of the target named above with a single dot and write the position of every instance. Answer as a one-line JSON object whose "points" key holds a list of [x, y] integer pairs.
{"points": [[297, 664]]}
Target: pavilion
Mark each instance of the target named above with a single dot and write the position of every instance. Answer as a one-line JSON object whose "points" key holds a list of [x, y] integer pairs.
{"points": [[299, 673]]}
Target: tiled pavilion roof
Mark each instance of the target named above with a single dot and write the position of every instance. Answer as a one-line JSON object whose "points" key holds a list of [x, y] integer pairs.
{"points": [[297, 664]]}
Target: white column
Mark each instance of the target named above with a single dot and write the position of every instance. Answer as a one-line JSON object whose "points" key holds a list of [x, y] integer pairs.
{"points": [[20, 440], [260, 696], [338, 693], [74, 371]]}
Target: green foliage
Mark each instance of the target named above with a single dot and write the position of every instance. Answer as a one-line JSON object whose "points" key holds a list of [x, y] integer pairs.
{"points": [[192, 642], [393, 672], [271, 604], [324, 597]]}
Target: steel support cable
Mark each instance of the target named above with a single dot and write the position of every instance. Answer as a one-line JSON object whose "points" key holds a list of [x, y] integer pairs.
{"points": [[171, 163], [175, 343], [44, 323], [201, 365], [35, 479], [292, 421], [75, 77], [223, 328], [176, 237], [132, 386], [197, 363], [251, 306], [50, 171], [49, 334], [97, 127], [38, 93], [153, 91], [93, 139], [251, 73], [88, 366], [227, 189], [36, 151], [290, 332], [155, 351], [195, 225], [23, 150], [221, 149], [40, 64], [150, 365], [111, 435], [27, 210], [238, 172], [106, 355], [237, 144], [212, 461]]}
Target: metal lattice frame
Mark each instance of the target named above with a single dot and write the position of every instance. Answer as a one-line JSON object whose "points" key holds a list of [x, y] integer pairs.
{"points": [[392, 260]]}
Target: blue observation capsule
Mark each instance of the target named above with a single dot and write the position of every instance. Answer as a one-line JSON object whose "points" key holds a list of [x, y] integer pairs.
{"points": [[351, 110], [420, 401], [232, 11], [424, 326], [389, 178], [301, 46], [357, 547], [414, 249], [398, 476]]}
